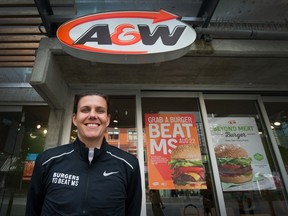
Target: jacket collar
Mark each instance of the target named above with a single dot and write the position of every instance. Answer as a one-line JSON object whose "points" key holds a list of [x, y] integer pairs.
{"points": [[84, 151]]}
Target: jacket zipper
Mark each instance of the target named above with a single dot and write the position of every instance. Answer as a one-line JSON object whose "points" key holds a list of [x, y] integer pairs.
{"points": [[90, 158]]}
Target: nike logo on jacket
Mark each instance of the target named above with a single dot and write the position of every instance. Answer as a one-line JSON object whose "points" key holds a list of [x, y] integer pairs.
{"points": [[109, 173]]}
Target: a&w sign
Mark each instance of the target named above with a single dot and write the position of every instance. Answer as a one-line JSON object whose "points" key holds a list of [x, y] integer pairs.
{"points": [[127, 37]]}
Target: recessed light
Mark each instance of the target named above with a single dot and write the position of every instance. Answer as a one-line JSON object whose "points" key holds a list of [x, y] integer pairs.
{"points": [[277, 123]]}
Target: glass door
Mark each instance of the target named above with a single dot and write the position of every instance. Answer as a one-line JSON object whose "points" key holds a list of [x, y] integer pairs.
{"points": [[23, 131], [177, 172], [278, 116], [11, 134], [247, 167]]}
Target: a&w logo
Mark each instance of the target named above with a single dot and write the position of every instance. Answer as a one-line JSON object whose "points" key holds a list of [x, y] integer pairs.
{"points": [[127, 37]]}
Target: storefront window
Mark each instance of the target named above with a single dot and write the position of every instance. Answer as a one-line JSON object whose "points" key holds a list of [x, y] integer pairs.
{"points": [[23, 131], [278, 116], [182, 184], [123, 120], [132, 136], [250, 178], [113, 135]]}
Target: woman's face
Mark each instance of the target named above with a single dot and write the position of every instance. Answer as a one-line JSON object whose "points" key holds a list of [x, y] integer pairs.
{"points": [[91, 118]]}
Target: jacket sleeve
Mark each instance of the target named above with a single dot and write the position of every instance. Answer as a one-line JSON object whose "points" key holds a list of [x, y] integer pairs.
{"points": [[35, 196], [134, 193]]}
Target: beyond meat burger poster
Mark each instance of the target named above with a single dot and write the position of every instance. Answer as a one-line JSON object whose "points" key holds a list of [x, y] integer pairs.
{"points": [[173, 152], [241, 159]]}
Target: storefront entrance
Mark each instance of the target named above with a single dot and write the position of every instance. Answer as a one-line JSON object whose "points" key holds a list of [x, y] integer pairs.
{"points": [[138, 126], [243, 124]]}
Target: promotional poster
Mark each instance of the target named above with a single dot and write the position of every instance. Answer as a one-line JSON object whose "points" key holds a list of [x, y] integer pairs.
{"points": [[29, 166], [173, 152], [242, 161]]}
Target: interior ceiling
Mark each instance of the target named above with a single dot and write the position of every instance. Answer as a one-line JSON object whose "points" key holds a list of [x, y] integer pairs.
{"points": [[24, 22]]}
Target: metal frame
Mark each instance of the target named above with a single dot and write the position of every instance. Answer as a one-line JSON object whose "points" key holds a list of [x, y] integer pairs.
{"points": [[140, 151], [215, 172], [207, 9], [45, 10], [273, 140]]}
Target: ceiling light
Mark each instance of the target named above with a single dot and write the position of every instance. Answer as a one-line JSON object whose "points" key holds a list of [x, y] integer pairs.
{"points": [[115, 121], [277, 123]]}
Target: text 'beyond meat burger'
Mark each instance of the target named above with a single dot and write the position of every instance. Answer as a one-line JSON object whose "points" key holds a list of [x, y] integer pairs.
{"points": [[233, 163], [186, 164]]}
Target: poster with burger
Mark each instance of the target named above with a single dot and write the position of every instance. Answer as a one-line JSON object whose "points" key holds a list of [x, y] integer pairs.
{"points": [[187, 167], [173, 152], [234, 163], [241, 158]]}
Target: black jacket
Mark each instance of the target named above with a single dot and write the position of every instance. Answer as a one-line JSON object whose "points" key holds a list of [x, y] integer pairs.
{"points": [[64, 182]]}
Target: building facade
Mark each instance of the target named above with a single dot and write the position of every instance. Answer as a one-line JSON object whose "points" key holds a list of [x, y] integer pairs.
{"points": [[232, 82]]}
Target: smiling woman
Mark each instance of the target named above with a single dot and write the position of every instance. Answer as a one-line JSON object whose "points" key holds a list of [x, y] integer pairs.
{"points": [[111, 174]]}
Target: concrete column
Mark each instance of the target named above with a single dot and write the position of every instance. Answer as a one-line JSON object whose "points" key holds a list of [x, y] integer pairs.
{"points": [[55, 128], [47, 79]]}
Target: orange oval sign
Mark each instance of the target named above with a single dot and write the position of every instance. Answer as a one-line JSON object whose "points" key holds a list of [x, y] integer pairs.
{"points": [[128, 37]]}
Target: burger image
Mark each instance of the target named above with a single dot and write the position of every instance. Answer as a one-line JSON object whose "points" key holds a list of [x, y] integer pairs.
{"points": [[187, 167], [234, 164]]}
